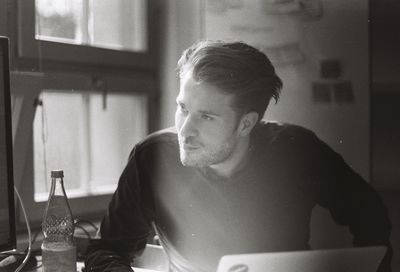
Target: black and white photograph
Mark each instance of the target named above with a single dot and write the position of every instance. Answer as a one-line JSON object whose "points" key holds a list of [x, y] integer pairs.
{"points": [[199, 136]]}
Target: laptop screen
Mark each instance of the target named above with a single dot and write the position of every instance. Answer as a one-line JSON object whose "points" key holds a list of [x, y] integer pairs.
{"points": [[361, 259]]}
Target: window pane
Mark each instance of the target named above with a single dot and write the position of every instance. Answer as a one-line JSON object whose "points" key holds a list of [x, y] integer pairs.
{"points": [[60, 21], [116, 24], [89, 135], [117, 122], [58, 140]]}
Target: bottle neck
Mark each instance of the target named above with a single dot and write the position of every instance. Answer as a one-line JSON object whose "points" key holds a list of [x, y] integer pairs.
{"points": [[57, 187]]}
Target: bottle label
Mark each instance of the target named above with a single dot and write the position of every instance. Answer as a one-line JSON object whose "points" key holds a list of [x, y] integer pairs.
{"points": [[58, 257]]}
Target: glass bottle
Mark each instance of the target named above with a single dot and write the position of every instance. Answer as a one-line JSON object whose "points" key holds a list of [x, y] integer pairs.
{"points": [[58, 248]]}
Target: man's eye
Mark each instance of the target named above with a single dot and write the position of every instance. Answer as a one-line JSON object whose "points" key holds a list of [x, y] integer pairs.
{"points": [[207, 117], [181, 109]]}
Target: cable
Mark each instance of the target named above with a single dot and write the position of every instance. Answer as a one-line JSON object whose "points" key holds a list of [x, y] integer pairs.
{"points": [[28, 254], [35, 236], [79, 221], [84, 230]]}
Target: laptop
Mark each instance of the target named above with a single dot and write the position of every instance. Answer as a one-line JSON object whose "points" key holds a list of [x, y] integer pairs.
{"points": [[361, 259]]}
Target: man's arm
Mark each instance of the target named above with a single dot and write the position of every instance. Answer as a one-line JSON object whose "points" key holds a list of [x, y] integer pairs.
{"points": [[125, 227], [351, 200]]}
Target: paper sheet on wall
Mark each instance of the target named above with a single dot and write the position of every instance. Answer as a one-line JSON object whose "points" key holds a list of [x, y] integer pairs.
{"points": [[269, 25]]}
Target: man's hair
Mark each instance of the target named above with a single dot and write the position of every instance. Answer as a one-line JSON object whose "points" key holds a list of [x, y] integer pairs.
{"points": [[236, 68]]}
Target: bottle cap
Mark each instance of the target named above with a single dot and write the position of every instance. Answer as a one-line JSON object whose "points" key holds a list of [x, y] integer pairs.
{"points": [[57, 173]]}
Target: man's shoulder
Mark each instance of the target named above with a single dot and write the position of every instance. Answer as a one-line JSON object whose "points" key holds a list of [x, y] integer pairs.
{"points": [[291, 143], [274, 130], [164, 142], [167, 136]]}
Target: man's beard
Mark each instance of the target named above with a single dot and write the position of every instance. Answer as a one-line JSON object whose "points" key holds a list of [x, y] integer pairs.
{"points": [[207, 155]]}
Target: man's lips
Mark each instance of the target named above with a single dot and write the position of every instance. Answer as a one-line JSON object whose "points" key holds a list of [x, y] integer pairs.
{"points": [[189, 144], [190, 147]]}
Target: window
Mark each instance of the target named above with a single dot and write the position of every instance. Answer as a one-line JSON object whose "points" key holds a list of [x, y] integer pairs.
{"points": [[84, 131], [110, 33], [117, 24], [93, 86], [89, 135]]}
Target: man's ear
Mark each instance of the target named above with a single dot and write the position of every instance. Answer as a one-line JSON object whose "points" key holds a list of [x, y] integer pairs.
{"points": [[247, 123]]}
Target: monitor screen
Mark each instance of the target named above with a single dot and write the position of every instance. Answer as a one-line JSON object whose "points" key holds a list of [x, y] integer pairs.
{"points": [[7, 211]]}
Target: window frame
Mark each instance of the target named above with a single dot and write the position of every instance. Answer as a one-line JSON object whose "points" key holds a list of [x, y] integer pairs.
{"points": [[26, 87], [39, 65], [30, 48]]}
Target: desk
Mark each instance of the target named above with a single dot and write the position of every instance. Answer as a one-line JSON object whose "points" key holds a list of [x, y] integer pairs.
{"points": [[79, 267], [143, 270], [153, 258]]}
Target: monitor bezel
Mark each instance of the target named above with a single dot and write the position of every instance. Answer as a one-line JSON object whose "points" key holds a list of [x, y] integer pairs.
{"points": [[4, 47]]}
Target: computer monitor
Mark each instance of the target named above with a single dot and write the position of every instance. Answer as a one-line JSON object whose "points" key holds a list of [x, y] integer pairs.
{"points": [[7, 209]]}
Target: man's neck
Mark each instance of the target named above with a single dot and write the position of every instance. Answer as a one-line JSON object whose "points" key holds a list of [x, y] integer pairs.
{"points": [[230, 166]]}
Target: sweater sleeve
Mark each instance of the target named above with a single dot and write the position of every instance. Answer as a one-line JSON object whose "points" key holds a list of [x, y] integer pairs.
{"points": [[126, 225], [350, 199]]}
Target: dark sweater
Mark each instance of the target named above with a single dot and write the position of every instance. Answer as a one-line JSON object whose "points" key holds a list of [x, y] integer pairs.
{"points": [[266, 206]]}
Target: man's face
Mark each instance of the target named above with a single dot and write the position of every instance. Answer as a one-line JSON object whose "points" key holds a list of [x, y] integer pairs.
{"points": [[206, 124]]}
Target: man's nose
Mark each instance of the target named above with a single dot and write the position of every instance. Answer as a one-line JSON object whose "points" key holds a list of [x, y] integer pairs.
{"points": [[189, 127]]}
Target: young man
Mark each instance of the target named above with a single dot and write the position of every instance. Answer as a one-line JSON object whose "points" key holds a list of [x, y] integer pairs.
{"points": [[224, 182]]}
